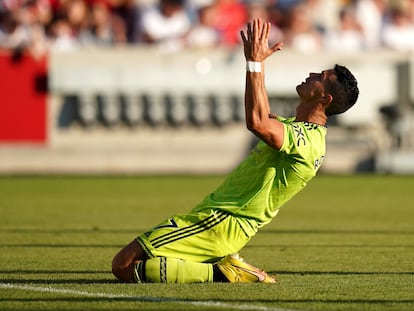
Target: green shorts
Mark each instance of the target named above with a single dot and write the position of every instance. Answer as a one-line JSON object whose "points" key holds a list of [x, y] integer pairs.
{"points": [[204, 236]]}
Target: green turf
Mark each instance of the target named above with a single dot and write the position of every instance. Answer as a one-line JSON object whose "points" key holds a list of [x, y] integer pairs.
{"points": [[344, 243]]}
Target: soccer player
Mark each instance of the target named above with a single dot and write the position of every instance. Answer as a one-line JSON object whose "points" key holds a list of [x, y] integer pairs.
{"points": [[203, 245]]}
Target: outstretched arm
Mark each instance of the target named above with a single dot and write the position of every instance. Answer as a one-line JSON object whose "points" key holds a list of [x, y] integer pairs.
{"points": [[256, 49]]}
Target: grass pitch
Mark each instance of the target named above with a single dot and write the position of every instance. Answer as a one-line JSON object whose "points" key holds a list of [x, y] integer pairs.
{"points": [[344, 243]]}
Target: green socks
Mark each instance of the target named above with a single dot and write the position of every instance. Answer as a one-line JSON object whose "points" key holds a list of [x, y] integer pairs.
{"points": [[172, 270]]}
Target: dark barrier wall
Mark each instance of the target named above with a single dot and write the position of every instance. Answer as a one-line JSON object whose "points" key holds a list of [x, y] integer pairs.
{"points": [[23, 96]]}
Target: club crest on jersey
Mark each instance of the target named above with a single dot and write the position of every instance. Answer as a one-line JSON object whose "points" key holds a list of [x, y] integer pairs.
{"points": [[299, 135]]}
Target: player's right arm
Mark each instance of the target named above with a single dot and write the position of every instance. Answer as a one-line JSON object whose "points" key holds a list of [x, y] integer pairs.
{"points": [[257, 109]]}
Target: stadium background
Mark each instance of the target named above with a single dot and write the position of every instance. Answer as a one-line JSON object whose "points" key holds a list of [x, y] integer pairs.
{"points": [[136, 108]]}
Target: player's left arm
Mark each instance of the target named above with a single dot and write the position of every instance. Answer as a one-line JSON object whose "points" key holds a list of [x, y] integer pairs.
{"points": [[258, 116]]}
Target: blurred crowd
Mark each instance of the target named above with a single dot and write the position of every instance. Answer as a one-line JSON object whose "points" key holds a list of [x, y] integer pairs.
{"points": [[342, 26]]}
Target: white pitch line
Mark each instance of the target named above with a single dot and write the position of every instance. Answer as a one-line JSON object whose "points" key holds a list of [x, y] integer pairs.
{"points": [[200, 303]]}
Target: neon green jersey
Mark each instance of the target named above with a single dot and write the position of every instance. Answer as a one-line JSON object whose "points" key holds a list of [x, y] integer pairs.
{"points": [[268, 178]]}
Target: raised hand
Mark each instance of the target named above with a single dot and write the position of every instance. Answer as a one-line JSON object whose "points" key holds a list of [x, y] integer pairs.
{"points": [[256, 41]]}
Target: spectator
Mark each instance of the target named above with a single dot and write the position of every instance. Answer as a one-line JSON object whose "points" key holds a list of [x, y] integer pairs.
{"points": [[44, 12], [106, 28], [301, 35], [260, 9], [370, 15], [398, 33], [39, 45], [13, 34], [202, 34], [304, 25], [125, 15], [166, 25], [21, 30], [62, 36], [78, 16], [230, 16], [348, 37], [323, 14], [410, 9]]}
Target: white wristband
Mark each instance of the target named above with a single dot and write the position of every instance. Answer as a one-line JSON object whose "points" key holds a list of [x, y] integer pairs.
{"points": [[253, 66]]}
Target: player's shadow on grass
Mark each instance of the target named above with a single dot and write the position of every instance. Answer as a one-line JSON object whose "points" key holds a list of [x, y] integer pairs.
{"points": [[350, 273], [61, 281], [43, 245], [73, 231], [339, 232], [284, 247], [28, 271]]}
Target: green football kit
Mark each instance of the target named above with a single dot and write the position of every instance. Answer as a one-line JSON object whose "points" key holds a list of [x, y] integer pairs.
{"points": [[249, 198]]}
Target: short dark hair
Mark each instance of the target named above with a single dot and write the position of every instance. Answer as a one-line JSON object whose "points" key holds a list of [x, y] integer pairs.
{"points": [[344, 91]]}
